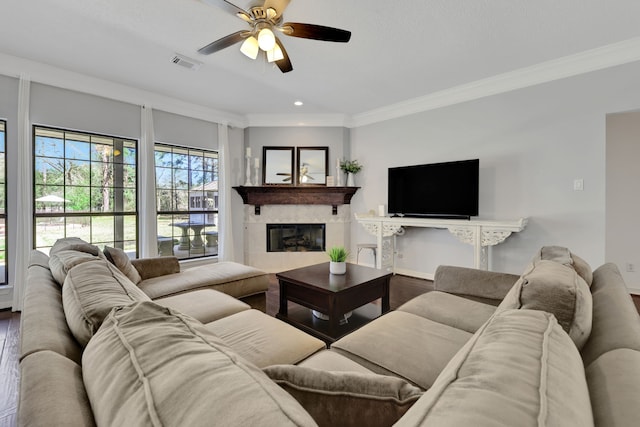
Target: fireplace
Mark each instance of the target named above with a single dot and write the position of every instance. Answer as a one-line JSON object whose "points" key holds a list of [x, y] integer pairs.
{"points": [[295, 237]]}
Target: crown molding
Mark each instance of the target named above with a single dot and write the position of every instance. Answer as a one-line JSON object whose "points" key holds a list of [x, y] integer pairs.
{"points": [[297, 120], [38, 72], [584, 62]]}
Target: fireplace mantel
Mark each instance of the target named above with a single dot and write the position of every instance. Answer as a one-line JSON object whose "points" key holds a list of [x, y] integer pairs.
{"points": [[296, 195]]}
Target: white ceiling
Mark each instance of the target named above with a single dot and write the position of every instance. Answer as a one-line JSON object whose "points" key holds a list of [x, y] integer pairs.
{"points": [[399, 50]]}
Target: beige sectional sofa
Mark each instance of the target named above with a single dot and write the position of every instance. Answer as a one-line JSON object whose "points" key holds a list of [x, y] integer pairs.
{"points": [[557, 346]]}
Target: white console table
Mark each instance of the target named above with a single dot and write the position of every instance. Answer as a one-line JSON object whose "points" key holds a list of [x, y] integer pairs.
{"points": [[479, 233]]}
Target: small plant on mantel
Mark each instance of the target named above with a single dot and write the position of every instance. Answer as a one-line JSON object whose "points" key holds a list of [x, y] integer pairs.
{"points": [[338, 254], [351, 166]]}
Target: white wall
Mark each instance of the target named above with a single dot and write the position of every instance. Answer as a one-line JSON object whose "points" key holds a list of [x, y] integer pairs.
{"points": [[532, 143], [623, 198], [336, 138], [67, 109], [185, 131]]}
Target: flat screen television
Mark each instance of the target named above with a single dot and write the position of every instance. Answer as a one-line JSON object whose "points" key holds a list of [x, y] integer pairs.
{"points": [[439, 190]]}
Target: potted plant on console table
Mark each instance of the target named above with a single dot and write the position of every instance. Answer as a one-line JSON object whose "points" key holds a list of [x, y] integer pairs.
{"points": [[351, 167], [338, 256]]}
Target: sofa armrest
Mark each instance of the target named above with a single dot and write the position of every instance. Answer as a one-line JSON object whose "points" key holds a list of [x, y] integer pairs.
{"points": [[155, 267], [472, 282]]}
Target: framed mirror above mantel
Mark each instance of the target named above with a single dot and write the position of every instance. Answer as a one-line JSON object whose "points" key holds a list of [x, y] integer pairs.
{"points": [[296, 195]]}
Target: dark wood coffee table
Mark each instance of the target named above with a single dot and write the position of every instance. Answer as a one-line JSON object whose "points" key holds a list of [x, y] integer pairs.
{"points": [[334, 295]]}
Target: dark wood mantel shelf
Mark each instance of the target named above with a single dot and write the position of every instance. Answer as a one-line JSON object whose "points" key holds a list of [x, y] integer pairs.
{"points": [[296, 195]]}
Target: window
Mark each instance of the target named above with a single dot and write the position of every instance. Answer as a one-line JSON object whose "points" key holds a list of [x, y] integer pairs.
{"points": [[187, 201], [3, 204], [84, 186]]}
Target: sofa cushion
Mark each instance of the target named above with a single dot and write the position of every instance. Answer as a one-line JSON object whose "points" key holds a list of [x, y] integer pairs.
{"points": [[52, 392], [43, 325], [150, 365], [556, 288], [204, 305], [451, 310], [614, 387], [379, 344], [64, 260], [564, 256], [89, 293], [232, 278], [519, 369], [343, 398], [264, 340], [120, 259], [616, 323]]}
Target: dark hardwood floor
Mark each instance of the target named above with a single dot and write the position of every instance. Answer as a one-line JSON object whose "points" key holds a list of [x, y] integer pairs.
{"points": [[9, 370], [403, 288]]}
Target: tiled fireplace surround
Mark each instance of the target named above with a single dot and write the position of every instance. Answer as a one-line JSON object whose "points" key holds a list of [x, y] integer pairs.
{"points": [[337, 232]]}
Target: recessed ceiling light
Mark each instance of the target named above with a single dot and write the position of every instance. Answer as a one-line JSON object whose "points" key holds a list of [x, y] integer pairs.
{"points": [[298, 103]]}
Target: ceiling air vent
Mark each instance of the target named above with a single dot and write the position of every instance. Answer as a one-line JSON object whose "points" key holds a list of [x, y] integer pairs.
{"points": [[185, 62]]}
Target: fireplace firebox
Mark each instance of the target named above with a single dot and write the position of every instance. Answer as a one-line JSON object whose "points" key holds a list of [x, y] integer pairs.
{"points": [[295, 237]]}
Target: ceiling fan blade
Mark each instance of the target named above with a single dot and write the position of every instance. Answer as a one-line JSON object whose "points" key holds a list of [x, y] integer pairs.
{"points": [[224, 42], [285, 63], [231, 8], [315, 32], [278, 5]]}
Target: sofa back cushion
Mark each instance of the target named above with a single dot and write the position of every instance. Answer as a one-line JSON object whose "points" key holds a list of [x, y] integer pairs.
{"points": [[555, 288], [519, 369], [616, 323], [150, 365], [120, 259], [89, 293]]}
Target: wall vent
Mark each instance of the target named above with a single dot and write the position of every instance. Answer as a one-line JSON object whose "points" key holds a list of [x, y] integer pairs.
{"points": [[185, 62]]}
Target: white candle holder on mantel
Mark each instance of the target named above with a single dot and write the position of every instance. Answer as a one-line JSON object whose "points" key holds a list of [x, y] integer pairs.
{"points": [[248, 183]]}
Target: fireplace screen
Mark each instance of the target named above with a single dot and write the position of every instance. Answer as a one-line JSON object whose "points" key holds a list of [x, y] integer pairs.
{"points": [[295, 237]]}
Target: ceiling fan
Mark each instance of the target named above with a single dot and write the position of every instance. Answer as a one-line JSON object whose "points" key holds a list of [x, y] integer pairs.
{"points": [[264, 20]]}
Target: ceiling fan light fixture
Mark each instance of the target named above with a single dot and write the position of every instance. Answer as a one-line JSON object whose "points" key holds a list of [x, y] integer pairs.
{"points": [[250, 47], [266, 39], [275, 54]]}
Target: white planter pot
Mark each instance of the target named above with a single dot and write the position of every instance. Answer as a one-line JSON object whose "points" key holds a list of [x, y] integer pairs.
{"points": [[337, 267], [351, 180]]}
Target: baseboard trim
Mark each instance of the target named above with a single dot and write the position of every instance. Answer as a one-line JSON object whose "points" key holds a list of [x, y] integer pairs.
{"points": [[634, 291]]}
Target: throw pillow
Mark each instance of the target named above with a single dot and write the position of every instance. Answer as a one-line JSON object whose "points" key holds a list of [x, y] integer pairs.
{"points": [[564, 256], [555, 288], [89, 293], [341, 398], [519, 369], [120, 259], [73, 244], [150, 365]]}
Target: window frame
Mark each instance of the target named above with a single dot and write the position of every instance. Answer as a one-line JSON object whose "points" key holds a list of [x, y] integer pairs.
{"points": [[119, 215], [183, 235]]}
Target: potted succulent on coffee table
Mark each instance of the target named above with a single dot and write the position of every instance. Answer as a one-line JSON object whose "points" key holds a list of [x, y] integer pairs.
{"points": [[338, 256]]}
